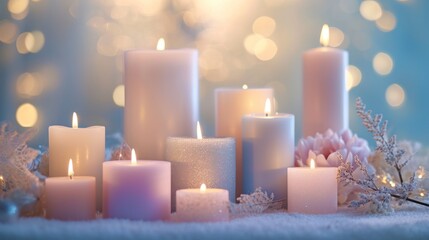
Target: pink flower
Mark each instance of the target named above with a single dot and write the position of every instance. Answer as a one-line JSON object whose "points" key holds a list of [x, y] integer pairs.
{"points": [[323, 149]]}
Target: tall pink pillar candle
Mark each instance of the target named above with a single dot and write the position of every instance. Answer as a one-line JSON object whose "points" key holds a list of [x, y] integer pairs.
{"points": [[161, 98], [137, 191], [325, 98], [312, 190], [268, 150], [230, 106], [85, 146]]}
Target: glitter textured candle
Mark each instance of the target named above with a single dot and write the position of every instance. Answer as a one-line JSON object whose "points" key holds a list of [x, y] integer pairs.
{"points": [[196, 161]]}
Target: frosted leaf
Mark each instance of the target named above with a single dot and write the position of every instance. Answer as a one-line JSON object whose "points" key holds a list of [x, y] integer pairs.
{"points": [[254, 203]]}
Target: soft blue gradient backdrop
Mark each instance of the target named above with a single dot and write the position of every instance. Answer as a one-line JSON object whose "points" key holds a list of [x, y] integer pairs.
{"points": [[79, 65]]}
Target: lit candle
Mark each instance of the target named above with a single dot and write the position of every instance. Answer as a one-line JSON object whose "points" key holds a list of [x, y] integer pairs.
{"points": [[230, 106], [193, 161], [70, 198], [136, 189], [202, 205], [84, 145], [268, 150], [325, 98], [161, 97], [312, 190]]}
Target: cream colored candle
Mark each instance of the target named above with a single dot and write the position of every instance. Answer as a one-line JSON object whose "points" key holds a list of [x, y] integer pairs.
{"points": [[325, 98], [197, 160], [312, 190], [202, 205], [84, 145], [137, 189], [268, 150], [70, 198], [230, 106], [161, 98]]}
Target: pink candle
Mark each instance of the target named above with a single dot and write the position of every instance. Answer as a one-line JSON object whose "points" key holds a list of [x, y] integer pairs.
{"points": [[325, 98], [70, 198], [137, 190], [312, 190], [230, 106], [161, 98]]}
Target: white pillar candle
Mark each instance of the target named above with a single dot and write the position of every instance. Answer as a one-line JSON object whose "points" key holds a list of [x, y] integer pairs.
{"points": [[137, 190], [84, 145], [230, 106], [268, 150], [197, 160], [70, 198], [312, 190], [202, 205], [325, 98], [161, 98]]}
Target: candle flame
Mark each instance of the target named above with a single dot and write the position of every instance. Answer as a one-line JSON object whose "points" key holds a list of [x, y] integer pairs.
{"points": [[199, 133], [324, 35], [245, 86], [203, 187], [312, 164], [133, 157], [161, 44], [74, 121], [267, 107], [70, 170]]}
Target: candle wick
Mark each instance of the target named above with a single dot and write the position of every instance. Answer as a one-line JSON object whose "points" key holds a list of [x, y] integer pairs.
{"points": [[71, 176], [266, 114]]}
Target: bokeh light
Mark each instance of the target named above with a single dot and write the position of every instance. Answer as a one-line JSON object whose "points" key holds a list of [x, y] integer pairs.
{"points": [[8, 32], [264, 26], [265, 49], [395, 95], [354, 77], [387, 22], [382, 63], [17, 6], [119, 95], [28, 85], [370, 10], [26, 115], [251, 41], [336, 37]]}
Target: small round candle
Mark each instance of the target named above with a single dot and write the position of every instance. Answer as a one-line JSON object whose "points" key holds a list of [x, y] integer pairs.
{"points": [[70, 198], [137, 189], [202, 205]]}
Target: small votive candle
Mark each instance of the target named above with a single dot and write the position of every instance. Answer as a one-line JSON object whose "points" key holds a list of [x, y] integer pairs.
{"points": [[202, 205]]}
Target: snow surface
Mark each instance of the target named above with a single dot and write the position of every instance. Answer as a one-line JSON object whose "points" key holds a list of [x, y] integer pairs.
{"points": [[410, 223]]}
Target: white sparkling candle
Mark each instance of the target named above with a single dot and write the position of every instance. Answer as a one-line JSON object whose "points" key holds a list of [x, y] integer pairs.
{"points": [[268, 150], [161, 98], [70, 198], [325, 98], [85, 146], [136, 189], [197, 160], [312, 190], [230, 106], [202, 205]]}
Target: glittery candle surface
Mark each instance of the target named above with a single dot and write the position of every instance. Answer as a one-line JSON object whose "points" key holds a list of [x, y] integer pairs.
{"points": [[196, 161]]}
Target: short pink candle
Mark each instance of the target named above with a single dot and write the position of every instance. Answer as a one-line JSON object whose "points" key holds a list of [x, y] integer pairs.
{"points": [[202, 205], [137, 190], [312, 190], [70, 198]]}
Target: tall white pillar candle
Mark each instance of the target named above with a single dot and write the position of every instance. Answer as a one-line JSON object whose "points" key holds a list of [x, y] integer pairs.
{"points": [[85, 146], [268, 150], [161, 98], [230, 106], [202, 205], [70, 198], [137, 190], [312, 190], [201, 160], [325, 98]]}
